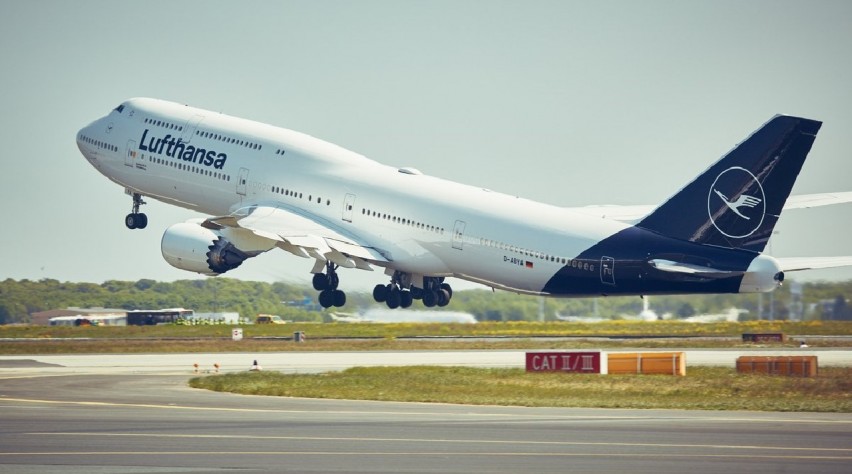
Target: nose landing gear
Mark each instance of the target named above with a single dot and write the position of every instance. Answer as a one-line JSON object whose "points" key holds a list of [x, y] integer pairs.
{"points": [[136, 219]]}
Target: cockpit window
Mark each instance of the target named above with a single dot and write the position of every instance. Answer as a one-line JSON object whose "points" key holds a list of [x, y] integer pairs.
{"points": [[120, 108]]}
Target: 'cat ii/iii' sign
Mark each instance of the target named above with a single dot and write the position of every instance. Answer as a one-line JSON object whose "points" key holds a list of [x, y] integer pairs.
{"points": [[577, 362]]}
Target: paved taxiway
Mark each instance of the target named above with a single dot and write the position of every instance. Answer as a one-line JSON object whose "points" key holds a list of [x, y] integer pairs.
{"points": [[96, 419]]}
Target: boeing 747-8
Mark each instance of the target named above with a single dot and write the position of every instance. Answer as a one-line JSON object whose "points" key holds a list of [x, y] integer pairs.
{"points": [[266, 187]]}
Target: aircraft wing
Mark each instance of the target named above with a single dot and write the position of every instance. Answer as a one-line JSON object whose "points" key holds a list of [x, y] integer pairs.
{"points": [[794, 264], [633, 213], [302, 235]]}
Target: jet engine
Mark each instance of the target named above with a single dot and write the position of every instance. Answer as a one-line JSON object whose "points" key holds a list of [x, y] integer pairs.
{"points": [[191, 247], [764, 274]]}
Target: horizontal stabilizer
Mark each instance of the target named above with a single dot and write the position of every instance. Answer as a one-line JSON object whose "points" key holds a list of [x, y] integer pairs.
{"points": [[794, 264], [804, 201], [633, 213]]}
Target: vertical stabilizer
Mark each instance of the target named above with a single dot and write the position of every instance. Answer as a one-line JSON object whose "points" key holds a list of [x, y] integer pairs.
{"points": [[738, 200]]}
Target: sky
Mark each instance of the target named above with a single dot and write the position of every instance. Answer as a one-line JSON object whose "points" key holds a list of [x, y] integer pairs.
{"points": [[570, 103]]}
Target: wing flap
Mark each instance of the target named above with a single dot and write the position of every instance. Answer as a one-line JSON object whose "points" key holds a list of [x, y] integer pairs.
{"points": [[302, 235]]}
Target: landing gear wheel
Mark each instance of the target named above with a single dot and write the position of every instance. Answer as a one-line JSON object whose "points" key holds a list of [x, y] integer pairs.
{"points": [[136, 221], [443, 298], [430, 298], [320, 281], [394, 299], [446, 287], [339, 298], [326, 298], [405, 299], [326, 283], [380, 293]]}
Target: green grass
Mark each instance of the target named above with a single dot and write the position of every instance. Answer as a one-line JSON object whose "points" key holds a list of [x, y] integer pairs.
{"points": [[521, 335], [606, 328], [704, 388], [214, 345]]}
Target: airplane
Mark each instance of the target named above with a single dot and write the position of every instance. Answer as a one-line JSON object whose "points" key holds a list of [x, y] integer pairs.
{"points": [[265, 187]]}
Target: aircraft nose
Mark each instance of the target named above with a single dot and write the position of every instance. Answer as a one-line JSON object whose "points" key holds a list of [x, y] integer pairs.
{"points": [[85, 140], [80, 134], [90, 142]]}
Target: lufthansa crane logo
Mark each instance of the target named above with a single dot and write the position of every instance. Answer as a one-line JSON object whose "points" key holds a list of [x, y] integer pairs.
{"points": [[736, 203]]}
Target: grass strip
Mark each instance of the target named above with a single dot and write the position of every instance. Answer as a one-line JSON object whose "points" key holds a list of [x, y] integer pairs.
{"points": [[703, 388], [218, 345], [491, 329]]}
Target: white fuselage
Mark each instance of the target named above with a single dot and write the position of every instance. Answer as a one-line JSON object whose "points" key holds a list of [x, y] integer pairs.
{"points": [[422, 224]]}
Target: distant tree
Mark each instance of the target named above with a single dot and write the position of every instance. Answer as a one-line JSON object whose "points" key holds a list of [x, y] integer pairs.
{"points": [[144, 284]]}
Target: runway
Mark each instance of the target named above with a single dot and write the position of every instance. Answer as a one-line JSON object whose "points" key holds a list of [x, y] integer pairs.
{"points": [[306, 362], [78, 419]]}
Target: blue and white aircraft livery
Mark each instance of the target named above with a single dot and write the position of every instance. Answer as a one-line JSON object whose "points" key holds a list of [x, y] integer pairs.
{"points": [[268, 187]]}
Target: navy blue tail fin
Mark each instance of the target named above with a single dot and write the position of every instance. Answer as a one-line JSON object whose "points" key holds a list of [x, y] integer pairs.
{"points": [[737, 201]]}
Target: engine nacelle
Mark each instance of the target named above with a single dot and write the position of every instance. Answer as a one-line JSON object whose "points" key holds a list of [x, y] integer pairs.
{"points": [[763, 275], [197, 249]]}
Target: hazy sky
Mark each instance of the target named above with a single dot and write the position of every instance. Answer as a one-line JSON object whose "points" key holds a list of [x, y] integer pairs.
{"points": [[570, 103]]}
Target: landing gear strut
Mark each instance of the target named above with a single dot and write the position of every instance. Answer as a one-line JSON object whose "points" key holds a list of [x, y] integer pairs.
{"points": [[326, 283], [136, 219], [394, 295]]}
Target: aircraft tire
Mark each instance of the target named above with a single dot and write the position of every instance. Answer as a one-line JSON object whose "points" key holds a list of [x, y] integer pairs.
{"points": [[405, 299], [443, 298], [130, 221], [430, 298], [320, 281], [394, 299], [380, 293], [326, 299], [339, 298]]}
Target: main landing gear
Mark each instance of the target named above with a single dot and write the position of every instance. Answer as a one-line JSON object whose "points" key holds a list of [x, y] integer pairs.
{"points": [[136, 219], [326, 283], [434, 293]]}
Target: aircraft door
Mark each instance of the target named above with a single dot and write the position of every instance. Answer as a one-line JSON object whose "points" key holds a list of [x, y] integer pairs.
{"points": [[458, 234], [608, 270], [242, 181], [348, 207], [130, 153]]}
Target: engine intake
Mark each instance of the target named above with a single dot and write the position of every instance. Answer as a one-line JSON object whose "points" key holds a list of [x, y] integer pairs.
{"points": [[190, 247]]}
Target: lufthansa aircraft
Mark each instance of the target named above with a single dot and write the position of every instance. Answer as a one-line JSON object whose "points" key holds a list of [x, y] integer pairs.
{"points": [[268, 187]]}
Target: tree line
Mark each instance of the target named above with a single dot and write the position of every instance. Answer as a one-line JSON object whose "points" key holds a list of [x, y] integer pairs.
{"points": [[20, 298]]}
